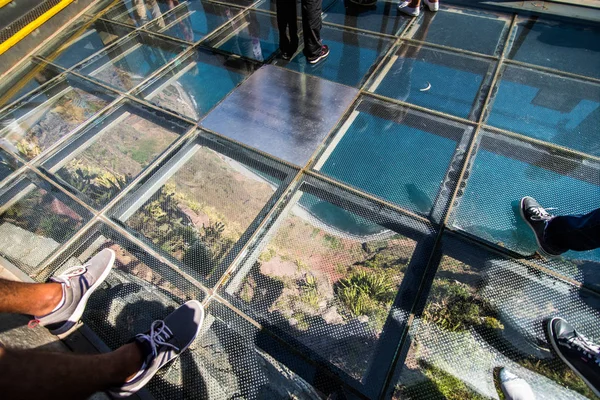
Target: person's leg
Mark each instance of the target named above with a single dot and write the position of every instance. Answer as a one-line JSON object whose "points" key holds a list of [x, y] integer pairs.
{"points": [[29, 298], [30, 374], [574, 232], [286, 17], [311, 27]]}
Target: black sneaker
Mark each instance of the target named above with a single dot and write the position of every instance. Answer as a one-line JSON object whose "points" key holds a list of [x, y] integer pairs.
{"points": [[322, 55], [164, 342], [537, 217], [581, 355]]}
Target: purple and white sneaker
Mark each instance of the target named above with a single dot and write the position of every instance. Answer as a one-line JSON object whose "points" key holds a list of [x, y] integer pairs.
{"points": [[78, 283]]}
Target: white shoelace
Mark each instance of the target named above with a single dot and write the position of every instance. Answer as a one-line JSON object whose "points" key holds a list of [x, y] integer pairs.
{"points": [[70, 273], [584, 344], [540, 214], [159, 334]]}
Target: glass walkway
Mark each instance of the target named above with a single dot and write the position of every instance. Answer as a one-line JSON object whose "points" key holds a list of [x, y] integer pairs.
{"points": [[351, 227]]}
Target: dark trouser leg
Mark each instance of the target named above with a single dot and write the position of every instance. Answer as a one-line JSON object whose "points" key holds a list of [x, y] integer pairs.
{"points": [[287, 19], [311, 26], [574, 232]]}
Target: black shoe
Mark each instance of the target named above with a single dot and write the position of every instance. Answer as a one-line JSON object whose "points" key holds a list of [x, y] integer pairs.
{"points": [[322, 55], [537, 217], [581, 355]]}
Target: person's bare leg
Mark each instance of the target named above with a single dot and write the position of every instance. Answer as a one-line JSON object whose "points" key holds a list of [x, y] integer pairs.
{"points": [[29, 298], [27, 374]]}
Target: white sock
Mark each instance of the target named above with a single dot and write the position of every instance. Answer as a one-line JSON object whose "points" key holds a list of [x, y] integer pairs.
{"points": [[62, 300]]}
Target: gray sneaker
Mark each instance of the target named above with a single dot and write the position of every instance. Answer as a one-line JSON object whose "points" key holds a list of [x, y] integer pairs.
{"points": [[78, 284], [164, 342]]}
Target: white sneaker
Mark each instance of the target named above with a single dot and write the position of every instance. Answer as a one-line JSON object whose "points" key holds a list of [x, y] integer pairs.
{"points": [[412, 11], [432, 6], [515, 388]]}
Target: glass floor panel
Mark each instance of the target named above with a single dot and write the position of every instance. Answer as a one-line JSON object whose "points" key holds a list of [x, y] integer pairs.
{"points": [[103, 159], [567, 47], [341, 242], [29, 77], [503, 171], [381, 143], [555, 109], [352, 56], [484, 313], [36, 218], [192, 21], [8, 165], [43, 119], [254, 35], [328, 277], [197, 83], [435, 79], [257, 113], [463, 29], [188, 218], [138, 13], [76, 45], [382, 17], [129, 63]]}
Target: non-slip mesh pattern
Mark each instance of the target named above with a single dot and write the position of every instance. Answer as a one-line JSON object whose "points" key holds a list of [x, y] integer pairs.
{"points": [[486, 312], [35, 220], [130, 62], [294, 267], [329, 277], [195, 221], [8, 165], [26, 19], [502, 171], [452, 83], [39, 121], [107, 156], [381, 143]]}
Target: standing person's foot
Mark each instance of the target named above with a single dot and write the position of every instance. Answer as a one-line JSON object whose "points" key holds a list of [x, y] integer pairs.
{"points": [[412, 11], [513, 387], [432, 5], [165, 341], [78, 283], [580, 354], [537, 217], [323, 53]]}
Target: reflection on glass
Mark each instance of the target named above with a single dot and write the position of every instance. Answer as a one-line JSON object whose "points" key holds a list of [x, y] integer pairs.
{"points": [[198, 83], [40, 121], [490, 310], [191, 22], [35, 225], [8, 164], [479, 32], [131, 62], [381, 149], [100, 161], [203, 209], [567, 47], [505, 171], [382, 16], [434, 79], [67, 51], [25, 80], [328, 277], [140, 12], [352, 55], [255, 36], [560, 110]]}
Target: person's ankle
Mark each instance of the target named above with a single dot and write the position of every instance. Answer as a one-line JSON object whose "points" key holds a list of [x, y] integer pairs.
{"points": [[131, 358], [50, 299]]}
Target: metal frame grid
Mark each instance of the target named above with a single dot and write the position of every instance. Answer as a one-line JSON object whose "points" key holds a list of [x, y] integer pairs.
{"points": [[378, 382]]}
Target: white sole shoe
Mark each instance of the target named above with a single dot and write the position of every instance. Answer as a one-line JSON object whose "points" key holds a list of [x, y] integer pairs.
{"points": [[432, 6]]}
